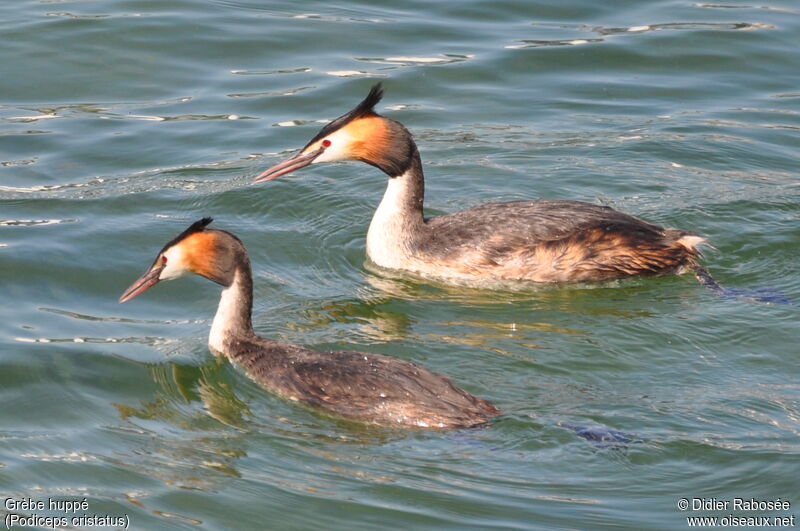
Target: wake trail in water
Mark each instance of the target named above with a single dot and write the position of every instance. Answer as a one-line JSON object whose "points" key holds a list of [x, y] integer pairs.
{"points": [[764, 295]]}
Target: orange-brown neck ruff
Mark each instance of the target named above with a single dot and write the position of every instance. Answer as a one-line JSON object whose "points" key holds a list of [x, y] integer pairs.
{"points": [[370, 139], [200, 254]]}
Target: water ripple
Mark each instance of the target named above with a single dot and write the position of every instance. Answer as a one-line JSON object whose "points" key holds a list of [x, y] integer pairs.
{"points": [[112, 319], [270, 93], [604, 32], [34, 222], [354, 73], [49, 111], [143, 340], [442, 59], [730, 6], [298, 70]]}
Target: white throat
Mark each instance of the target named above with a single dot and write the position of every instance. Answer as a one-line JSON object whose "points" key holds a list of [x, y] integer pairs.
{"points": [[225, 320], [390, 231]]}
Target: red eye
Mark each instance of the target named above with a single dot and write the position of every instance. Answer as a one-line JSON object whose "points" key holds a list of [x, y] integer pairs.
{"points": [[163, 260], [326, 143]]}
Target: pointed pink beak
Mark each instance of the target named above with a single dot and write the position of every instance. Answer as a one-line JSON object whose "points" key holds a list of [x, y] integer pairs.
{"points": [[142, 284], [295, 162]]}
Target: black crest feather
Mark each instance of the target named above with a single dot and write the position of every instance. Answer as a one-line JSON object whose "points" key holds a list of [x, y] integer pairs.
{"points": [[197, 226], [366, 107], [367, 104]]}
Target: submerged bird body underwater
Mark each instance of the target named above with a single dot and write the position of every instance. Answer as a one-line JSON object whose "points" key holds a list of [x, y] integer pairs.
{"points": [[540, 241], [360, 386]]}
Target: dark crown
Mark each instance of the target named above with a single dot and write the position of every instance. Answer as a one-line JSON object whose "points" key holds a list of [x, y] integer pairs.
{"points": [[366, 107], [197, 226]]}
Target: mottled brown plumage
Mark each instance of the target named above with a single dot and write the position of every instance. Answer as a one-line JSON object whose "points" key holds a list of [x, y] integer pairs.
{"points": [[553, 241], [355, 385], [541, 241], [358, 385]]}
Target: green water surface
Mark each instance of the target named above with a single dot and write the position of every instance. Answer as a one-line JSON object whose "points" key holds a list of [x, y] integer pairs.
{"points": [[122, 121]]}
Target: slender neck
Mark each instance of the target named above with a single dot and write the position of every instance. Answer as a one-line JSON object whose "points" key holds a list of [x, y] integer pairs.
{"points": [[398, 222], [402, 200], [410, 188], [233, 320]]}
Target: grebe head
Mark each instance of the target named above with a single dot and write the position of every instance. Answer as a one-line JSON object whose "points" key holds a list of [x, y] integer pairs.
{"points": [[206, 252], [361, 134]]}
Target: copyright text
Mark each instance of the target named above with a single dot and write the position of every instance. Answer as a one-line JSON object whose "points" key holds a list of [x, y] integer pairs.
{"points": [[745, 507]]}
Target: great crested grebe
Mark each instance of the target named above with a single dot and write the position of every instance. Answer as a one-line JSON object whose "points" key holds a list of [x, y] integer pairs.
{"points": [[356, 385], [542, 241]]}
